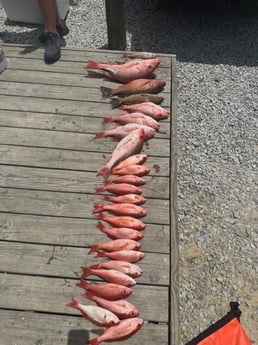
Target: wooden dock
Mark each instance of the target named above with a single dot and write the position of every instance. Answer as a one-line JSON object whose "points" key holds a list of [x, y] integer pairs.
{"points": [[49, 115]]}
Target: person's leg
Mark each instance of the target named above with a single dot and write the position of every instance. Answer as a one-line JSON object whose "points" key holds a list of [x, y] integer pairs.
{"points": [[50, 15], [50, 36]]}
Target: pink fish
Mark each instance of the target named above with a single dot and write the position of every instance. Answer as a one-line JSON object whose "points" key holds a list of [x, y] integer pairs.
{"points": [[121, 308], [124, 255], [139, 118], [120, 132], [122, 209], [122, 266], [128, 71], [127, 198], [111, 276], [148, 108], [123, 221], [133, 169], [107, 290], [124, 330], [131, 179], [114, 233], [129, 145], [119, 189], [99, 316], [114, 245], [133, 159]]}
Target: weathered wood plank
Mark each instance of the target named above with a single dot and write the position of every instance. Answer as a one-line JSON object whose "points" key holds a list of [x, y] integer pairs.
{"points": [[31, 328], [61, 92], [55, 106], [73, 141], [50, 295], [59, 122], [74, 55], [58, 261], [77, 76], [71, 232], [69, 204], [69, 159], [69, 181]]}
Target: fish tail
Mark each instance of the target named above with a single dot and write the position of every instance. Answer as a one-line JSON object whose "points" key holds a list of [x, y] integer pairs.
{"points": [[83, 284], [89, 296], [74, 303], [100, 134], [100, 254], [101, 216], [106, 91], [92, 64], [115, 102], [107, 198], [100, 226], [93, 248], [104, 171], [107, 119], [98, 208], [86, 271], [99, 190], [94, 341]]}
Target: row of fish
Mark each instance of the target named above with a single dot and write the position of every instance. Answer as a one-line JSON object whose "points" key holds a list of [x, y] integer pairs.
{"points": [[123, 177]]}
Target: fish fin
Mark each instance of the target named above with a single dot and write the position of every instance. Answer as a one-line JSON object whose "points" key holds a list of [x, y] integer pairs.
{"points": [[93, 248], [115, 102], [100, 134], [100, 254], [104, 171], [94, 341], [88, 296], [100, 226], [106, 198], [106, 91], [107, 119], [92, 64], [74, 303], [99, 190], [83, 284]]}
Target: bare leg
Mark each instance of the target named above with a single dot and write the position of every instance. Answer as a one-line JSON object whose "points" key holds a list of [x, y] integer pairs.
{"points": [[50, 15]]}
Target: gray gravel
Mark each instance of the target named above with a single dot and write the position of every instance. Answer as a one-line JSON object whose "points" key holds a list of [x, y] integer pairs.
{"points": [[217, 74]]}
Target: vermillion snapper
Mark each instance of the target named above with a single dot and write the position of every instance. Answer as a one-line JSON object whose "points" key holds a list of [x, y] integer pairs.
{"points": [[133, 118], [129, 145], [120, 132], [121, 308], [106, 290], [148, 108], [128, 71], [124, 330], [114, 233], [122, 266], [122, 209]]}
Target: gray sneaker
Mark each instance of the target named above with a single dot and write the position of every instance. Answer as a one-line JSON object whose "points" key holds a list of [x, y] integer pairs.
{"points": [[52, 47]]}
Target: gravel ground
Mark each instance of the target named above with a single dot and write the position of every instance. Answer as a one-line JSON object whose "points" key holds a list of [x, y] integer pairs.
{"points": [[217, 75]]}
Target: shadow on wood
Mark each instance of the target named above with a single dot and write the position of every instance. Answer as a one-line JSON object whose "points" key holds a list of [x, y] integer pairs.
{"points": [[77, 337]]}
